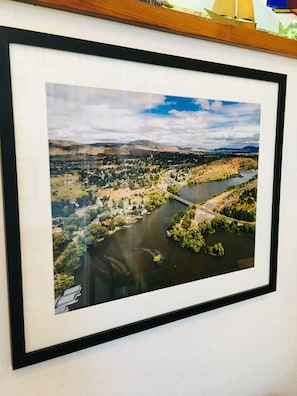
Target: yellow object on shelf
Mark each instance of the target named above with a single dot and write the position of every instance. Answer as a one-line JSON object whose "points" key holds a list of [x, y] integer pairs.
{"points": [[235, 12]]}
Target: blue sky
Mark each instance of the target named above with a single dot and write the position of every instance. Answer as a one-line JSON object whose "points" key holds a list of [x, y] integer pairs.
{"points": [[91, 115]]}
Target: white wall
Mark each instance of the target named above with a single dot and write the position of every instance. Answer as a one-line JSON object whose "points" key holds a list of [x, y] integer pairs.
{"points": [[247, 349]]}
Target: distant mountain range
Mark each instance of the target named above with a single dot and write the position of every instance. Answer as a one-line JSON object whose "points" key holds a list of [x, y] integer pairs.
{"points": [[246, 149], [64, 147]]}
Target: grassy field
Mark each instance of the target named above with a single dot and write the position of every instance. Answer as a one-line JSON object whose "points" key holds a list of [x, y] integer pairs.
{"points": [[66, 187], [221, 169]]}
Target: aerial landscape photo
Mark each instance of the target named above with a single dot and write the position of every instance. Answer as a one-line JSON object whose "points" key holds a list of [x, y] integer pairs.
{"points": [[148, 191]]}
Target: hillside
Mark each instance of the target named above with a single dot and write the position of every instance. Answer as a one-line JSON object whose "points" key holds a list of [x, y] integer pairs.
{"points": [[136, 147], [238, 202], [62, 147], [221, 169]]}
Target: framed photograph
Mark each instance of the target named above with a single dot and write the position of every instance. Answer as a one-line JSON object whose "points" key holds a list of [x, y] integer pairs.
{"points": [[139, 188]]}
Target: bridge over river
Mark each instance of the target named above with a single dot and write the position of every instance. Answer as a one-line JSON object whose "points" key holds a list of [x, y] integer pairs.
{"points": [[202, 211], [182, 200]]}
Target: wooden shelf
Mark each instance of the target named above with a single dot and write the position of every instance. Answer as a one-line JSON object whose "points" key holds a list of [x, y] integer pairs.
{"points": [[142, 14]]}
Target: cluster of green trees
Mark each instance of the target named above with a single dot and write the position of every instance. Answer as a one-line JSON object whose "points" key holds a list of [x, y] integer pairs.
{"points": [[192, 236], [244, 209], [64, 207], [67, 259], [155, 199], [173, 189], [189, 237], [97, 232], [74, 222], [239, 213], [69, 247], [250, 194], [221, 223], [62, 282], [216, 250]]}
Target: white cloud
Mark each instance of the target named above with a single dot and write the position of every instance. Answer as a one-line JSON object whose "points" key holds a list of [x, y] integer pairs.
{"points": [[92, 115]]}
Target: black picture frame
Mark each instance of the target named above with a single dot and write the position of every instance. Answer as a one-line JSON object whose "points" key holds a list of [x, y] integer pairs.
{"points": [[15, 187]]}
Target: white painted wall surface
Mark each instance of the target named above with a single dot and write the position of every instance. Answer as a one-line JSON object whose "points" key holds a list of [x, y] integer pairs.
{"points": [[247, 349]]}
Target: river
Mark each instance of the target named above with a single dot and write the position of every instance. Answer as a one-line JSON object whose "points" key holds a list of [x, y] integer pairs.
{"points": [[123, 265]]}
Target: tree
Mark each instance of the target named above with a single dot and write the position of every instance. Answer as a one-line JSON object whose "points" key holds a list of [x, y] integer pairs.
{"points": [[62, 208], [234, 226], [219, 223], [83, 201], [92, 197], [157, 258], [289, 31], [73, 220], [177, 233], [216, 250], [60, 241], [62, 282], [82, 176], [193, 240], [118, 221], [191, 212], [69, 260], [95, 233], [186, 223], [91, 215], [173, 189], [248, 228], [176, 218], [204, 226], [156, 199], [190, 238]]}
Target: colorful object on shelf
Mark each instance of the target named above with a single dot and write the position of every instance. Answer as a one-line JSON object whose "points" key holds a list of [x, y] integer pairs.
{"points": [[283, 6], [263, 19], [235, 12], [164, 3]]}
